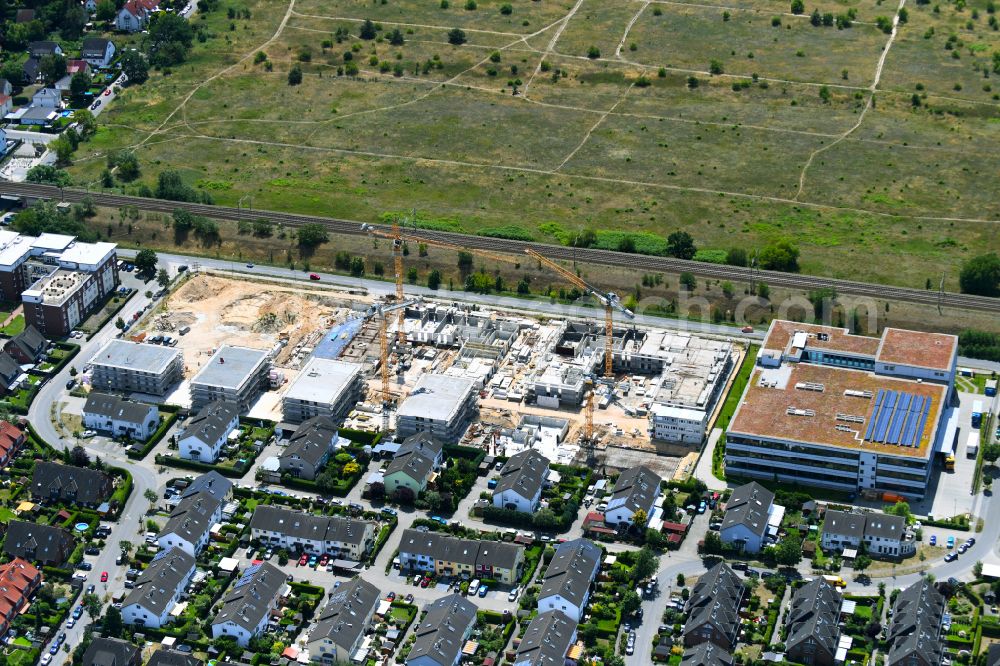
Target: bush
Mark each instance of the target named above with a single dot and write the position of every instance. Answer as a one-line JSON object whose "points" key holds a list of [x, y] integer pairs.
{"points": [[456, 36]]}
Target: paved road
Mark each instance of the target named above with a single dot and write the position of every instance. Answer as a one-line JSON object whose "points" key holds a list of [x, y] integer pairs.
{"points": [[31, 137]]}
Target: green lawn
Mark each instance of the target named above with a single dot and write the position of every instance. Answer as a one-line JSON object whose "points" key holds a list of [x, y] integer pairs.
{"points": [[14, 327]]}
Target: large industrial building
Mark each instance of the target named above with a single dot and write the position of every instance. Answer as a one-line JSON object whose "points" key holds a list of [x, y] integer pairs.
{"points": [[233, 374], [827, 408], [323, 388], [122, 365], [439, 405]]}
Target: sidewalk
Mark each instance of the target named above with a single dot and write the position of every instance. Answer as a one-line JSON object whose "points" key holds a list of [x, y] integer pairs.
{"points": [[704, 469]]}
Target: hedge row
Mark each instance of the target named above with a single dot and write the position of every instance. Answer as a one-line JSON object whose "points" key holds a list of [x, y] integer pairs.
{"points": [[155, 438], [183, 463]]}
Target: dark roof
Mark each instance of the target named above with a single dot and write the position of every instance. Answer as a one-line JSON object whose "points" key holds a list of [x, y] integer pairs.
{"points": [[524, 473], [843, 523], [110, 652], [212, 422], [638, 486], [31, 67], [94, 47], [165, 657], [813, 618], [749, 506], [250, 600], [344, 619], [192, 518], [74, 484], [156, 585], [32, 541], [312, 440], [884, 526], [571, 571], [297, 524], [416, 456], [993, 656], [38, 49], [706, 654], [30, 342], [440, 635], [113, 407], [546, 640], [715, 600], [915, 632], [9, 369], [463, 551], [211, 483]]}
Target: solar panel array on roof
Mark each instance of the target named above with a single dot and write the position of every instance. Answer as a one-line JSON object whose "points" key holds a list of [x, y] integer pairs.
{"points": [[247, 575], [898, 418]]}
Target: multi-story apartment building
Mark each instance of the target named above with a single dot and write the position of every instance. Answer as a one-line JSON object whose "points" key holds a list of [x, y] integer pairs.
{"points": [[122, 365]]}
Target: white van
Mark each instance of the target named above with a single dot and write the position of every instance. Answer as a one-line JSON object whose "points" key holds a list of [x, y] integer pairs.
{"points": [[473, 587]]}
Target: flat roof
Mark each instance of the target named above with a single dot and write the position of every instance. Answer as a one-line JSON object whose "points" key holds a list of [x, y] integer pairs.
{"points": [[323, 380], [436, 397], [52, 242], [87, 253], [765, 410], [230, 367], [135, 356], [919, 349], [780, 334], [13, 247]]}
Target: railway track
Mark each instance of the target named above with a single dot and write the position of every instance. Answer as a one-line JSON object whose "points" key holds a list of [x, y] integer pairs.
{"points": [[587, 255]]}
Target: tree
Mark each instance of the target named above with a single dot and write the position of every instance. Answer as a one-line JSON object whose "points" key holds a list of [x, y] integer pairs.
{"points": [[52, 68], [120, 324], [788, 551], [715, 67], [150, 495], [312, 234], [680, 244], [368, 30], [593, 53], [900, 508], [86, 124], [170, 37], [737, 256], [681, 581], [688, 281], [92, 604], [396, 37], [780, 256], [862, 562], [295, 75], [12, 71], [646, 564], [456, 36], [465, 260], [981, 275], [46, 173], [763, 290], [162, 277], [798, 7], [145, 261], [125, 164], [630, 603], [640, 518], [78, 457], [434, 279], [135, 66], [991, 452], [105, 10], [63, 150], [79, 84], [816, 18], [545, 519]]}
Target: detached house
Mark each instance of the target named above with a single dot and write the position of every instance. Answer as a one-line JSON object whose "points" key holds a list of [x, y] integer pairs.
{"points": [[119, 417], [42, 49], [11, 374], [748, 513], [43, 544], [246, 609], [411, 467], [341, 625], [204, 435], [441, 635], [135, 14], [566, 586], [27, 346], [19, 580], [714, 608], [813, 624], [158, 589], [309, 448], [191, 521], [98, 52], [637, 489], [112, 652], [55, 482], [521, 482]]}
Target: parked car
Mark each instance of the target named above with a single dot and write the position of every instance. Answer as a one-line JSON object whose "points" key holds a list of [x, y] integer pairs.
{"points": [[513, 594], [962, 549], [951, 557], [313, 276], [303, 560], [409, 598], [933, 540], [951, 542], [104, 576], [483, 589]]}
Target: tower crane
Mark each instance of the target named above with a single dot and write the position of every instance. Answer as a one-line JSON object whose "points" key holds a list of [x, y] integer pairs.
{"points": [[382, 311], [395, 234], [608, 299]]}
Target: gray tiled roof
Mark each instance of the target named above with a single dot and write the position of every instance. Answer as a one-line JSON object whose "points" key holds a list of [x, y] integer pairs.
{"points": [[344, 618], [749, 506], [30, 341], [814, 616], [415, 456], [524, 473], [212, 422], [571, 571], [93, 47], [110, 652], [165, 657], [211, 483], [312, 440], [842, 523], [885, 526], [36, 542], [546, 640], [463, 551], [70, 483], [440, 635], [706, 654], [9, 369], [250, 600], [192, 518], [715, 600], [638, 486], [156, 585], [296, 524], [915, 632], [113, 407]]}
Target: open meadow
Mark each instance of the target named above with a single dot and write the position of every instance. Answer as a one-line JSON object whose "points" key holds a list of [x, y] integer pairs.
{"points": [[740, 122]]}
